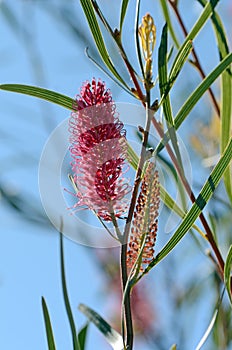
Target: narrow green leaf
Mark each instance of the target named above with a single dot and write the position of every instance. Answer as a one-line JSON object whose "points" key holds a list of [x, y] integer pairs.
{"points": [[98, 38], [202, 199], [48, 326], [177, 65], [179, 61], [226, 113], [44, 94], [113, 337], [138, 50], [164, 91], [195, 97], [226, 102], [66, 298], [227, 272], [106, 72], [169, 22], [82, 336], [162, 61], [123, 12], [206, 13], [219, 32], [163, 76]]}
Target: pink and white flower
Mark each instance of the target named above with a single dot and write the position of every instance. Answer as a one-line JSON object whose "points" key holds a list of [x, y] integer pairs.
{"points": [[98, 148]]}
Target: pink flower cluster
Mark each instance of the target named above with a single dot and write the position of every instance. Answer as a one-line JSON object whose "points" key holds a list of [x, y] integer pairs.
{"points": [[98, 148]]}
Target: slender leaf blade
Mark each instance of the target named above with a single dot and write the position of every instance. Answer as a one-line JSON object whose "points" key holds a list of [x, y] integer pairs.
{"points": [[179, 61], [227, 272], [98, 38], [226, 102], [44, 94], [106, 72], [162, 61], [66, 298], [219, 32], [113, 337], [164, 85], [206, 13], [123, 13], [226, 113], [48, 326], [138, 50], [163, 77], [169, 22]]}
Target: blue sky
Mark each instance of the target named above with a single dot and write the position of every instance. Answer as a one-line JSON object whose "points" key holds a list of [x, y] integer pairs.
{"points": [[38, 48]]}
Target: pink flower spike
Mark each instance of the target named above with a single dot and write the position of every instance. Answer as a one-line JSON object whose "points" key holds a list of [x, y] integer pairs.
{"points": [[98, 148]]}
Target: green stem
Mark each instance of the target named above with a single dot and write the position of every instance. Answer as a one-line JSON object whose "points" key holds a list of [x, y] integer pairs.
{"points": [[126, 307], [115, 223], [138, 177]]}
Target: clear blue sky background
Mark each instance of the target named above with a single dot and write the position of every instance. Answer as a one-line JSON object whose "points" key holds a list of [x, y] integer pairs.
{"points": [[38, 48]]}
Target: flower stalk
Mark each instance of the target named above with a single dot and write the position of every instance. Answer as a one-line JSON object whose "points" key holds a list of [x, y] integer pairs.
{"points": [[124, 247]]}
